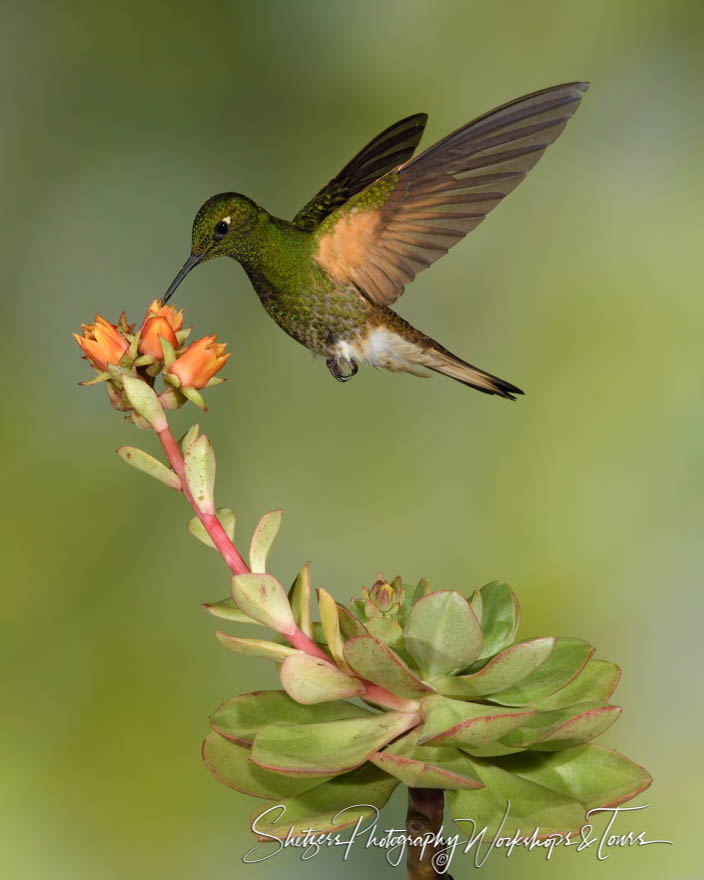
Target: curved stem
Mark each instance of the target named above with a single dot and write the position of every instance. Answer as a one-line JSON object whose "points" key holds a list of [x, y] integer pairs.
{"points": [[237, 565], [211, 523]]}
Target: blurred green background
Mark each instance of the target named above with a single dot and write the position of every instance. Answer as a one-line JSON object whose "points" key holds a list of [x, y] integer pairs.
{"points": [[584, 289]]}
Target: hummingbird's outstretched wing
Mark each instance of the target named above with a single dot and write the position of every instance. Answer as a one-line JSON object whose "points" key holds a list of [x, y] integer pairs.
{"points": [[389, 149], [382, 237]]}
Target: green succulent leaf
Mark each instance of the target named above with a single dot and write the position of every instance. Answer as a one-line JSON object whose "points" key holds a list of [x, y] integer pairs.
{"points": [[240, 718], [327, 807], [357, 609], [299, 600], [454, 722], [349, 624], [376, 662], [331, 627], [422, 589], [229, 763], [567, 658], [491, 750], [199, 464], [227, 610], [310, 680], [102, 376], [387, 631], [262, 597], [412, 595], [188, 438], [499, 613], [595, 683], [425, 766], [191, 393], [143, 400], [531, 806], [507, 668], [169, 354], [442, 633], [593, 775], [328, 747], [563, 728], [263, 538], [227, 520], [149, 465], [256, 647]]}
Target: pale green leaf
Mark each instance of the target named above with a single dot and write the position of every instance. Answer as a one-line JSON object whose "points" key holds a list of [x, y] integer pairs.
{"points": [[262, 540], [329, 747], [143, 400], [149, 465], [240, 718], [256, 647], [442, 633], [311, 680], [199, 463], [337, 804], [299, 599], [376, 662], [262, 597], [227, 521], [229, 763]]}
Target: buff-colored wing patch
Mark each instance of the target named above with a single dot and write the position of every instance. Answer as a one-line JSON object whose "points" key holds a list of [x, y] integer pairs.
{"points": [[381, 238]]}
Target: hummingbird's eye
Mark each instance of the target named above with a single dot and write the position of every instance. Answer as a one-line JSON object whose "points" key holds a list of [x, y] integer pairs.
{"points": [[222, 228]]}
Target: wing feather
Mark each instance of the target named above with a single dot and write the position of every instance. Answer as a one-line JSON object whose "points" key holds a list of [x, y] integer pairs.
{"points": [[404, 221], [386, 151]]}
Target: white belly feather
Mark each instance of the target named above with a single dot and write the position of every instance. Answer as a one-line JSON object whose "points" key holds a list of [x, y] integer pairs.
{"points": [[385, 350]]}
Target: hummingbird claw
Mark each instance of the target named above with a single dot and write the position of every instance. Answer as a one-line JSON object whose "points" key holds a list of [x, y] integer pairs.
{"points": [[334, 366]]}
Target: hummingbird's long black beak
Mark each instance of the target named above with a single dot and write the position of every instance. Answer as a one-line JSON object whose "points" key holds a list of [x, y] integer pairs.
{"points": [[192, 261]]}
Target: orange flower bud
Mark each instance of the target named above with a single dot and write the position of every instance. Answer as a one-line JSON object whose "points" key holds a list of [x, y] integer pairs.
{"points": [[149, 342], [102, 343], [169, 313], [199, 362]]}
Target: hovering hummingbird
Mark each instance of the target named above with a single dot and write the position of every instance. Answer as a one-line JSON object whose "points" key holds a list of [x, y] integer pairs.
{"points": [[328, 277]]}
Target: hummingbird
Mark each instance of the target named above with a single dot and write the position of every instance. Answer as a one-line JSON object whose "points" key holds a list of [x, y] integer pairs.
{"points": [[329, 276]]}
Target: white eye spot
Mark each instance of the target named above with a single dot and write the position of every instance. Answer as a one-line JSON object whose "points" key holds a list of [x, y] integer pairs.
{"points": [[227, 219]]}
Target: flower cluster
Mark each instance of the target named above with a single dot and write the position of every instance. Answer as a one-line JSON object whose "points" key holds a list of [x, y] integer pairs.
{"points": [[157, 347]]}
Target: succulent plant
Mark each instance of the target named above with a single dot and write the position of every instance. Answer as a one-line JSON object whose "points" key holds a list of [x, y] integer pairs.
{"points": [[420, 687], [409, 685]]}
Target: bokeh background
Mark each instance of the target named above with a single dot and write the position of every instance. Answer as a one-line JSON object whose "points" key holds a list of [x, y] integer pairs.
{"points": [[584, 288]]}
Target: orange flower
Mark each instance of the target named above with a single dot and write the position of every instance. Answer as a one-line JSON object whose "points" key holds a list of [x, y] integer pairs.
{"points": [[101, 342], [149, 342], [169, 313], [199, 362]]}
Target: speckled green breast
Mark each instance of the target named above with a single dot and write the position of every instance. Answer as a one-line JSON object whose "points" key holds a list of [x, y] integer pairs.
{"points": [[316, 313]]}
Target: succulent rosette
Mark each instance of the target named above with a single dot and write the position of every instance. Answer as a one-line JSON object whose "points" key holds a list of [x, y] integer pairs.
{"points": [[428, 688]]}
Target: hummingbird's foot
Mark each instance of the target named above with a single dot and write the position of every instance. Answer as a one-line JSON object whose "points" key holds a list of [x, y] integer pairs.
{"points": [[334, 366]]}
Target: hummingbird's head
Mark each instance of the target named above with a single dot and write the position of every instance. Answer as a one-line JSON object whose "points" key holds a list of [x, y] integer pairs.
{"points": [[220, 229]]}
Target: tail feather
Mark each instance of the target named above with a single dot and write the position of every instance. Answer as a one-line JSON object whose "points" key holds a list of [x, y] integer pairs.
{"points": [[443, 361], [397, 346]]}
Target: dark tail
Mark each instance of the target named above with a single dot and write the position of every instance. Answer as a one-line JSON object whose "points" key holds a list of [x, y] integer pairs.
{"points": [[443, 361]]}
